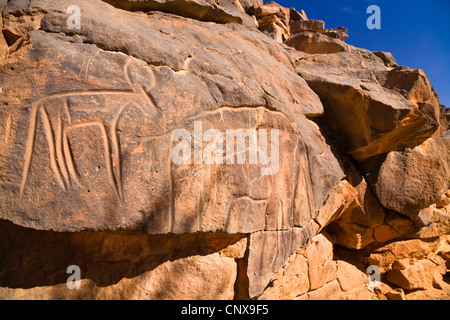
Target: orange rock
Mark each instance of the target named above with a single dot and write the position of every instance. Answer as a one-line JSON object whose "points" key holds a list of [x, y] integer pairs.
{"points": [[315, 43], [330, 291], [417, 276], [291, 281], [409, 181], [339, 199], [349, 276], [322, 268]]}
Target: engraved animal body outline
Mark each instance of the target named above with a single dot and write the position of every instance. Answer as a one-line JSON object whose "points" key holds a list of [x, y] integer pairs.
{"points": [[61, 159]]}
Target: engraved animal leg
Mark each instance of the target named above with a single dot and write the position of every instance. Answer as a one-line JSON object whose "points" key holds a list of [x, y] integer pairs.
{"points": [[51, 145], [68, 155], [29, 145], [35, 108], [127, 72], [59, 150], [115, 141]]}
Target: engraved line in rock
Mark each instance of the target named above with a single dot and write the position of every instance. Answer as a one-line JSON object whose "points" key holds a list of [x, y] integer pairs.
{"points": [[61, 158]]}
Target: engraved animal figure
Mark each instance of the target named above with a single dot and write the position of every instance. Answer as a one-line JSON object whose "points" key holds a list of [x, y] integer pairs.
{"points": [[76, 117]]}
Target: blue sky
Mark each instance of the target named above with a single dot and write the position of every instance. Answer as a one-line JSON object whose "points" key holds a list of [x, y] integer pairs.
{"points": [[416, 32]]}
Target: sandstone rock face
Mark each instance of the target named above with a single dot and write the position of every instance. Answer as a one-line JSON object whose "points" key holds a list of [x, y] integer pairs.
{"points": [[312, 43], [200, 149], [417, 276], [338, 202], [125, 171], [434, 221], [349, 276], [380, 119], [418, 249], [307, 25], [117, 265], [248, 4], [3, 43], [387, 57], [203, 10], [414, 179], [86, 165], [397, 295], [310, 36], [311, 273], [273, 19], [415, 86]]}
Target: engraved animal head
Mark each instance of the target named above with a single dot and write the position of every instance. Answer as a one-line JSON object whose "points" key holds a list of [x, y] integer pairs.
{"points": [[141, 115], [141, 76]]}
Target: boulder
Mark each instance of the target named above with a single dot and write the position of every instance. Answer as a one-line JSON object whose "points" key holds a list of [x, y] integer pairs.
{"points": [[291, 281], [411, 180], [419, 276], [444, 202], [339, 199], [274, 29], [361, 293], [174, 280], [385, 233], [351, 235], [310, 36], [271, 8], [340, 33], [330, 291], [397, 294], [400, 223], [415, 86], [269, 251], [387, 57], [297, 16], [248, 4], [315, 43], [379, 119], [433, 222], [307, 25], [273, 19], [419, 249], [349, 276], [322, 268]]}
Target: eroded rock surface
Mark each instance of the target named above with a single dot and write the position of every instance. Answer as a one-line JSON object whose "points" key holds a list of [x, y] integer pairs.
{"points": [[81, 144], [197, 149]]}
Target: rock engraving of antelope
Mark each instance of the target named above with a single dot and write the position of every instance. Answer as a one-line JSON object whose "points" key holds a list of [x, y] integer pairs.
{"points": [[61, 159]]}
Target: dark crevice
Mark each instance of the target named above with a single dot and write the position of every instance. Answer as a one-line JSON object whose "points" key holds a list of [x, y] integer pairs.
{"points": [[241, 286], [31, 258]]}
